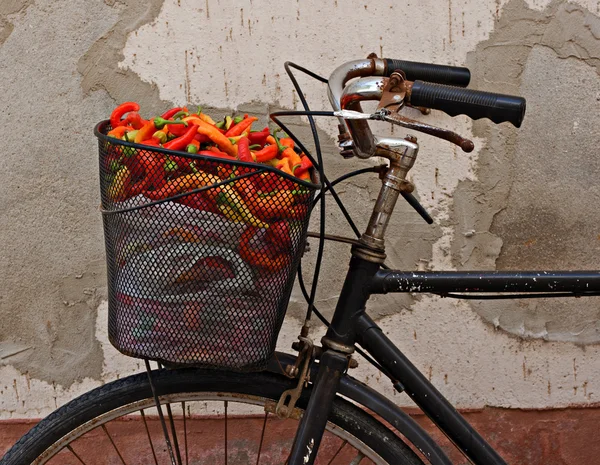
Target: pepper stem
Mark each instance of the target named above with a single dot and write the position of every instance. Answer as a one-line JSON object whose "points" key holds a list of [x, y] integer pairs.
{"points": [[160, 123], [280, 147]]}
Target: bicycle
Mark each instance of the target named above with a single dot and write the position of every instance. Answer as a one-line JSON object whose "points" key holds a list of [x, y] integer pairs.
{"points": [[334, 410]]}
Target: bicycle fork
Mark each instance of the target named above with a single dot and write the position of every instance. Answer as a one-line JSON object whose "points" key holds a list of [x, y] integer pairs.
{"points": [[338, 343]]}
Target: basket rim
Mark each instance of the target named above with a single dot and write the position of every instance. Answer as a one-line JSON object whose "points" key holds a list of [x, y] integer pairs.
{"points": [[100, 133]]}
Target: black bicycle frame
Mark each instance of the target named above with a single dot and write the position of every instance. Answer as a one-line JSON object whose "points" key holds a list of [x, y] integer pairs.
{"points": [[352, 325]]}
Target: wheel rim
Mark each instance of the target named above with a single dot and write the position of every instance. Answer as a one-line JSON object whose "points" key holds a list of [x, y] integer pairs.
{"points": [[348, 450]]}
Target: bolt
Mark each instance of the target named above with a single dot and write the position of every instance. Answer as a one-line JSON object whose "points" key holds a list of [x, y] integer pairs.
{"points": [[410, 138]]}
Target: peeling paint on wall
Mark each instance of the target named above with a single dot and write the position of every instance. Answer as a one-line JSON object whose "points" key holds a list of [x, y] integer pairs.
{"points": [[534, 202], [76, 67]]}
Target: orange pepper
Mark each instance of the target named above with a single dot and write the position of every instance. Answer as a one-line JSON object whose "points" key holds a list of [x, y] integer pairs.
{"points": [[287, 142], [293, 157], [146, 132], [273, 205], [119, 131], [217, 137], [284, 165]]}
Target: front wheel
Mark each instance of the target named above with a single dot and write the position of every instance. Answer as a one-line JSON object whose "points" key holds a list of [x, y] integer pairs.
{"points": [[212, 417]]}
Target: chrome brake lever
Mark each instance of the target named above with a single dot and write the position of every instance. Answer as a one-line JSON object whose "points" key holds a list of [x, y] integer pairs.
{"points": [[351, 114]]}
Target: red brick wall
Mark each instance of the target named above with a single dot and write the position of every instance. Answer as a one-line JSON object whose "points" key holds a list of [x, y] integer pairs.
{"points": [[534, 437]]}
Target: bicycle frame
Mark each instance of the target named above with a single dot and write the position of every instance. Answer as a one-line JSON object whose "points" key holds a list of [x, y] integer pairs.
{"points": [[351, 324]]}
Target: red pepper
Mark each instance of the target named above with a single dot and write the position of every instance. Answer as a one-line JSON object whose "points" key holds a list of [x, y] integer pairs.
{"points": [[169, 113], [259, 138], [305, 165], [244, 149], [280, 236], [177, 129], [154, 166], [266, 154], [202, 138], [134, 119], [151, 142], [182, 142], [241, 127], [216, 153], [117, 114], [199, 202], [266, 258]]}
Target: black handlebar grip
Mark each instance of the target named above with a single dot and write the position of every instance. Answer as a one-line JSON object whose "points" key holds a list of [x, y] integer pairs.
{"points": [[473, 103], [442, 74]]}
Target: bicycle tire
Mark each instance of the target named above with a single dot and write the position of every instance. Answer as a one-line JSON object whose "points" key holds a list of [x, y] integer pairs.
{"points": [[96, 407]]}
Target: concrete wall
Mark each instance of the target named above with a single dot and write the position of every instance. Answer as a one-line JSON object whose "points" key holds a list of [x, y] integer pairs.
{"points": [[523, 199]]}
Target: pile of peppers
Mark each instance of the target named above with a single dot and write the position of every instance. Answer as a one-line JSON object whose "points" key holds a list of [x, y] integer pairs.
{"points": [[263, 201]]}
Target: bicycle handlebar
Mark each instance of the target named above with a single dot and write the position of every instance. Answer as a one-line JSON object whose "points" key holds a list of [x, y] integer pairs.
{"points": [[438, 95], [475, 104], [441, 74]]}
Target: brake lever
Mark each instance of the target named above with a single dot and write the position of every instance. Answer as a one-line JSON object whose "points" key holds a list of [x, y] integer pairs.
{"points": [[392, 117]]}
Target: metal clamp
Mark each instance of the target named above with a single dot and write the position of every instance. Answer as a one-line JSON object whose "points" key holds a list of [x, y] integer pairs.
{"points": [[288, 399]]}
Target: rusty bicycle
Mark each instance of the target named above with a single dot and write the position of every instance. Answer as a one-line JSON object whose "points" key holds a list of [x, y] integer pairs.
{"points": [[305, 408]]}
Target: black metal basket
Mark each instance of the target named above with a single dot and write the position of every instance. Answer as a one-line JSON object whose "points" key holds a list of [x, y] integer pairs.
{"points": [[201, 253]]}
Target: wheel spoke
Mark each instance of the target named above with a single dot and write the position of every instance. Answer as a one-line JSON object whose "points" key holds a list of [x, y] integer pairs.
{"points": [[262, 436], [226, 453], [337, 453], [76, 456], [152, 393], [185, 433], [356, 460], [174, 434], [113, 444], [160, 413], [149, 437]]}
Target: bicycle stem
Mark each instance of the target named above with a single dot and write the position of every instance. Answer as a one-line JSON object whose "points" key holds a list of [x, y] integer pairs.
{"points": [[402, 154]]}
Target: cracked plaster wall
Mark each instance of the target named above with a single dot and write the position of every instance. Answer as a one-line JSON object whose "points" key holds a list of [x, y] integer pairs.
{"points": [[524, 198]]}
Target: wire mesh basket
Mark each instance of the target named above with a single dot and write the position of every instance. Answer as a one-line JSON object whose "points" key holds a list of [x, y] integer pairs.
{"points": [[201, 253]]}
